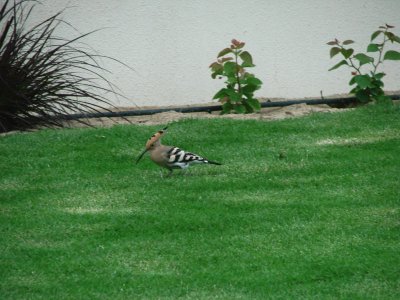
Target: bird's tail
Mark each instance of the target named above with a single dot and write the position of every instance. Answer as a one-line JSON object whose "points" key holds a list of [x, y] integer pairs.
{"points": [[214, 163]]}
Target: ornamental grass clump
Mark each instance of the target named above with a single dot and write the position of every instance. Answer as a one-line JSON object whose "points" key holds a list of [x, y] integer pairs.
{"points": [[44, 77]]}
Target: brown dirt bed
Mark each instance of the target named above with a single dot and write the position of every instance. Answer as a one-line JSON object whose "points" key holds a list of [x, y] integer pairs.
{"points": [[266, 114]]}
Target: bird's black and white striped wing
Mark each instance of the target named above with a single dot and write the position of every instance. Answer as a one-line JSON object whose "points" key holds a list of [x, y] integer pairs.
{"points": [[177, 158]]}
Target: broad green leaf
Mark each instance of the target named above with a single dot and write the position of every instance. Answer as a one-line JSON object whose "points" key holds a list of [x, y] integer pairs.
{"points": [[249, 89], [331, 43], [233, 95], [378, 83], [363, 59], [221, 93], [240, 109], [375, 34], [249, 109], [391, 55], [348, 42], [224, 52], [334, 51], [230, 68], [254, 81], [232, 79], [343, 62], [226, 108], [363, 96], [247, 59], [373, 48], [379, 76], [352, 80], [243, 81], [390, 35], [254, 103], [363, 81], [347, 52], [377, 91]]}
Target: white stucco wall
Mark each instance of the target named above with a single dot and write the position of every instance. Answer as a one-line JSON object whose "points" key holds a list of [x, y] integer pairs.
{"points": [[170, 43]]}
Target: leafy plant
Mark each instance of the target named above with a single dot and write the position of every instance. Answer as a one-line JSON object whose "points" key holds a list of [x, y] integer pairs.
{"points": [[368, 84], [238, 95], [44, 77]]}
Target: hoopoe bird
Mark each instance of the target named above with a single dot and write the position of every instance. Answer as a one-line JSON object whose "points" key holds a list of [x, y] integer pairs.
{"points": [[171, 157]]}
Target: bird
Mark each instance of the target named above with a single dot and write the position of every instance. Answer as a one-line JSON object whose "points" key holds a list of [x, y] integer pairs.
{"points": [[171, 157]]}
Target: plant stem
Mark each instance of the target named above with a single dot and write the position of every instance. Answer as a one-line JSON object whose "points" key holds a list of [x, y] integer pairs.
{"points": [[237, 71], [380, 54], [352, 64], [351, 61]]}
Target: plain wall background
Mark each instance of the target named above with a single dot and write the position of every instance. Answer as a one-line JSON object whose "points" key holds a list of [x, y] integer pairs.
{"points": [[171, 43]]}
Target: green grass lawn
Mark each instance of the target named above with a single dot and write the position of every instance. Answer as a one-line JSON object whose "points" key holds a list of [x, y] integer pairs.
{"points": [[303, 208]]}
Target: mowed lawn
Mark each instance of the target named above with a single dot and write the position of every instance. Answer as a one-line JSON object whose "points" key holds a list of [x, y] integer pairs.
{"points": [[304, 208]]}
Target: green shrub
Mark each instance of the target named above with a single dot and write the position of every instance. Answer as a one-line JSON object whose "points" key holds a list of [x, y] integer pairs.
{"points": [[368, 84], [238, 95]]}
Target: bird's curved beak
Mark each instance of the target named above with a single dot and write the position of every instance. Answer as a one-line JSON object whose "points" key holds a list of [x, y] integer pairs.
{"points": [[141, 155], [150, 141]]}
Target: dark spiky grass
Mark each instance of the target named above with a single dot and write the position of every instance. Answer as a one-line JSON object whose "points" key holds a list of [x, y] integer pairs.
{"points": [[42, 76], [301, 209]]}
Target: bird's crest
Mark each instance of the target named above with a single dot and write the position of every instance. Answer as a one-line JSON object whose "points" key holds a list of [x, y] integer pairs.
{"points": [[155, 137]]}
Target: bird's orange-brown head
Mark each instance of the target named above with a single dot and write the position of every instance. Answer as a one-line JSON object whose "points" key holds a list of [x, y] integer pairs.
{"points": [[155, 138], [152, 141]]}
